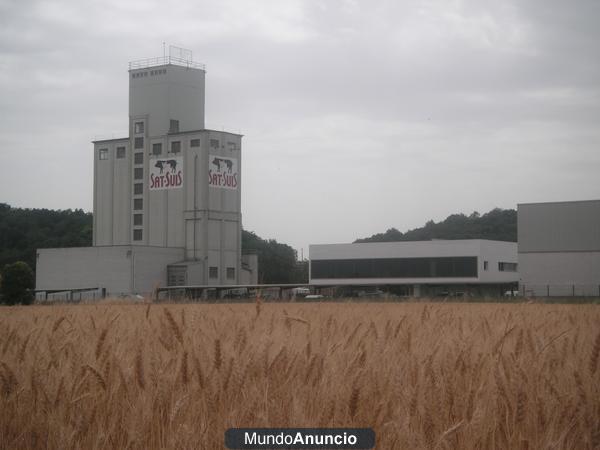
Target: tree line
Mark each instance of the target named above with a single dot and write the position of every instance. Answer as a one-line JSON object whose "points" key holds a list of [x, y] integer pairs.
{"points": [[23, 230], [498, 224]]}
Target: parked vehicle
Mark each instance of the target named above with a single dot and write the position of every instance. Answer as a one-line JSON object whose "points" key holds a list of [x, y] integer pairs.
{"points": [[301, 291], [513, 293]]}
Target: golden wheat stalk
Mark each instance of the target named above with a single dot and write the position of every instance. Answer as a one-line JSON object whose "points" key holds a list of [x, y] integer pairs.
{"points": [[217, 361], [139, 371], [594, 356], [97, 376], [100, 342], [173, 326]]}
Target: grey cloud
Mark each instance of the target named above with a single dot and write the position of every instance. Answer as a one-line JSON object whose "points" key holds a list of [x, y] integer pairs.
{"points": [[369, 115]]}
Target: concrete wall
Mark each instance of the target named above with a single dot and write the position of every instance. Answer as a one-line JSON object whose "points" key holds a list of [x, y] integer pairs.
{"points": [[495, 252], [249, 272], [150, 266], [560, 226], [112, 194], [85, 267], [561, 268], [205, 220], [119, 269], [211, 225], [420, 249], [559, 248], [177, 94]]}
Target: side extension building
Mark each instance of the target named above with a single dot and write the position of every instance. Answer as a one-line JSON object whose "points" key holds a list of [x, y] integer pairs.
{"points": [[424, 268], [559, 248]]}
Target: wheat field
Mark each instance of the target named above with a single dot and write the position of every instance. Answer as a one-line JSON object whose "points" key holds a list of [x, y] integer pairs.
{"points": [[422, 375]]}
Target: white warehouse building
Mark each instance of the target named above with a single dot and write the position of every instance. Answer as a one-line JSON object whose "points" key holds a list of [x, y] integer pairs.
{"points": [[559, 248], [167, 198], [423, 268]]}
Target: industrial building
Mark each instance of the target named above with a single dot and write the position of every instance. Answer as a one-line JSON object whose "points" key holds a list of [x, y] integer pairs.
{"points": [[167, 198], [424, 268], [559, 248]]}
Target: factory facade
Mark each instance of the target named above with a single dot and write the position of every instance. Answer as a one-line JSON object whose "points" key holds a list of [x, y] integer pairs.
{"points": [[559, 248], [423, 268], [167, 198]]}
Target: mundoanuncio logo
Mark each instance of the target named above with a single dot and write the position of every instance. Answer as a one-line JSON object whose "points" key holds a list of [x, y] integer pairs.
{"points": [[223, 172]]}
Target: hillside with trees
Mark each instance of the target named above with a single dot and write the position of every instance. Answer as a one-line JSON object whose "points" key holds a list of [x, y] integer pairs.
{"points": [[498, 224], [22, 231]]}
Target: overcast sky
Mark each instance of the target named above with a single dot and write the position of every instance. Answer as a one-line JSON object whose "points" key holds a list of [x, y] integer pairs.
{"points": [[357, 116]]}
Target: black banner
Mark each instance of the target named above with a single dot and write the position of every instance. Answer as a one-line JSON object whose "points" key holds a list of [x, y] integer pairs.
{"points": [[299, 438]]}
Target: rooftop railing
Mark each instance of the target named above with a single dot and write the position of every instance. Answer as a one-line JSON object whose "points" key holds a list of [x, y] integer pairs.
{"points": [[163, 61]]}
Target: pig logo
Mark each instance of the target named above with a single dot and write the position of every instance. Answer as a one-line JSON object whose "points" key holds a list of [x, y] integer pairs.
{"points": [[160, 164], [217, 162]]}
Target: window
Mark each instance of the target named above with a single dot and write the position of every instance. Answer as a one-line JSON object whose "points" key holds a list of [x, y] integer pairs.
{"points": [[139, 127], [444, 267], [173, 126], [138, 204], [138, 188], [176, 276], [507, 267], [138, 158], [138, 173], [231, 145], [231, 273], [138, 142], [120, 152], [213, 272], [157, 149], [158, 72], [137, 219], [195, 143], [485, 265], [175, 147], [103, 154], [214, 143], [137, 235]]}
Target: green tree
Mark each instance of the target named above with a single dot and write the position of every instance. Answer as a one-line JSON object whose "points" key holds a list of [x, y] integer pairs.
{"points": [[276, 262], [22, 231], [16, 283], [498, 224]]}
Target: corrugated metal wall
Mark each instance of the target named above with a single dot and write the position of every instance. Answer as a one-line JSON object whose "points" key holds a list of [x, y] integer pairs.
{"points": [[558, 227]]}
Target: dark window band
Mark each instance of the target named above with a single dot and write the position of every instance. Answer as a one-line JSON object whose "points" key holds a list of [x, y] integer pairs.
{"points": [[450, 267]]}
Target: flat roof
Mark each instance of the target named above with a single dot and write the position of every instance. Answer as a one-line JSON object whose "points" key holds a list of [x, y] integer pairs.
{"points": [[440, 241], [564, 202], [110, 140], [412, 249], [203, 130], [169, 60]]}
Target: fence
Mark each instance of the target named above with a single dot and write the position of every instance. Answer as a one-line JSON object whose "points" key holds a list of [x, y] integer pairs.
{"points": [[163, 61], [68, 295], [559, 290]]}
